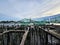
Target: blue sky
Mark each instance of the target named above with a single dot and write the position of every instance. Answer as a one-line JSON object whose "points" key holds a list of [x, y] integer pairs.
{"points": [[19, 9]]}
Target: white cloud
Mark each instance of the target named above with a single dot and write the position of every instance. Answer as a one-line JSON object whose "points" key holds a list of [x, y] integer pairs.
{"points": [[30, 9]]}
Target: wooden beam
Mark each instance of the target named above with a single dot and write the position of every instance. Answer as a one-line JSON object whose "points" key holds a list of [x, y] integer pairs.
{"points": [[24, 38], [13, 31]]}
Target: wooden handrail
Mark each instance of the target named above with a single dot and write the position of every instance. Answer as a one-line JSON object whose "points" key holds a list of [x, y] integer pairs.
{"points": [[24, 38], [54, 34], [10, 31]]}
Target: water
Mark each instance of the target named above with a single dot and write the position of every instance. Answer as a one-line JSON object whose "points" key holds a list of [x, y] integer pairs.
{"points": [[9, 24]]}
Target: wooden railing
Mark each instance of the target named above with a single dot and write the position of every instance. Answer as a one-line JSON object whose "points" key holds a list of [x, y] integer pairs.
{"points": [[24, 37], [13, 31], [33, 36], [40, 36], [12, 37]]}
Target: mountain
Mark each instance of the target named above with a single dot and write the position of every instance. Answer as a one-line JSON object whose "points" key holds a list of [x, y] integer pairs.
{"points": [[49, 18]]}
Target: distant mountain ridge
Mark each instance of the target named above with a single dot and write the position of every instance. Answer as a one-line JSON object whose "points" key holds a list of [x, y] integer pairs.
{"points": [[54, 17]]}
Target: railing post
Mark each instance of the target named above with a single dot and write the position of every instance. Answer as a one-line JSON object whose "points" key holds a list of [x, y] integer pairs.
{"points": [[3, 39], [46, 39], [8, 38], [51, 39]]}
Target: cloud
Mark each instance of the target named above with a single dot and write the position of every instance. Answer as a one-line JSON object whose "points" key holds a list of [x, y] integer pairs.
{"points": [[29, 8]]}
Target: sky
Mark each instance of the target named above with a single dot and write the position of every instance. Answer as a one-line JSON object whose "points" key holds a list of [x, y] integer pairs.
{"points": [[19, 9]]}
